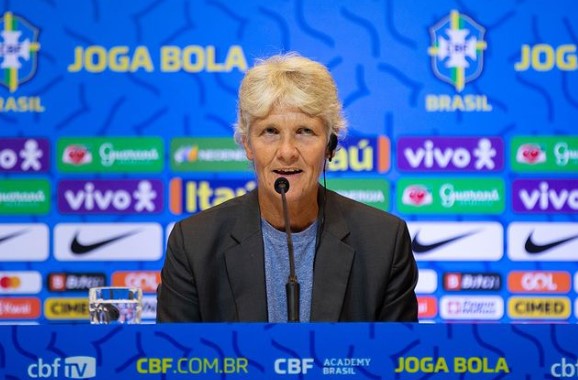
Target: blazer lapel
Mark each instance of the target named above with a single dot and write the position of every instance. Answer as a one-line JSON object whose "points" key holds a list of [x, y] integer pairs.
{"points": [[245, 264], [333, 262]]}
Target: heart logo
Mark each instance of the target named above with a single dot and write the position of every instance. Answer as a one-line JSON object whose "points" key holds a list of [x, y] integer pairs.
{"points": [[76, 154], [531, 154]]}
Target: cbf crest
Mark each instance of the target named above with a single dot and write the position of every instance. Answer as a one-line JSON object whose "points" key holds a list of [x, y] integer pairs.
{"points": [[457, 49], [18, 50]]}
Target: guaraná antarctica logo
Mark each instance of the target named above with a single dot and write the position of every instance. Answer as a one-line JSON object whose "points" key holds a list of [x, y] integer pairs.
{"points": [[457, 49], [17, 50]]}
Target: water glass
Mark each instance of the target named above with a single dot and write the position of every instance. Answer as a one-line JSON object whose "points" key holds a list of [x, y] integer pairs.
{"points": [[114, 305]]}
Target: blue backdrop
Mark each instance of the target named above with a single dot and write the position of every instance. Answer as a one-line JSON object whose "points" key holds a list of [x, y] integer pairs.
{"points": [[116, 120]]}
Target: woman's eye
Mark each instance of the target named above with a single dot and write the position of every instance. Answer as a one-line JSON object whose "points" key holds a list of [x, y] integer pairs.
{"points": [[269, 131], [306, 131]]}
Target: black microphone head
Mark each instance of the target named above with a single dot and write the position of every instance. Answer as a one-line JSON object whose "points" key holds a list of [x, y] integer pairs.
{"points": [[281, 185]]}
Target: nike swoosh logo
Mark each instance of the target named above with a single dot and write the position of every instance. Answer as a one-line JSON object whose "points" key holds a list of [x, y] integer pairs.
{"points": [[11, 236], [534, 248], [419, 247], [79, 248]]}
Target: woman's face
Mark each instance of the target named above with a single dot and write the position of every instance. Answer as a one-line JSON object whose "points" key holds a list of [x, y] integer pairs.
{"points": [[288, 143]]}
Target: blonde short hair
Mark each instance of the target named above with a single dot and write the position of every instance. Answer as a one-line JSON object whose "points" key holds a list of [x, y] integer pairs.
{"points": [[288, 80]]}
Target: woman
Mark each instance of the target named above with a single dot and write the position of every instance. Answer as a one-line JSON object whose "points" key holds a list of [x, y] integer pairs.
{"points": [[230, 263]]}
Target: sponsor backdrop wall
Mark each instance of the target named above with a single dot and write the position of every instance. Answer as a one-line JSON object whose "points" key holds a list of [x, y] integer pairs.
{"points": [[116, 121]]}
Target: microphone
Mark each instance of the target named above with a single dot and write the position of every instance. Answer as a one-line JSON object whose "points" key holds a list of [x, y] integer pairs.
{"points": [[292, 286]]}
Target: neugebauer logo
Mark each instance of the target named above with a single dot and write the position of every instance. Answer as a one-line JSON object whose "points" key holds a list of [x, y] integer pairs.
{"points": [[372, 192], [208, 154]]}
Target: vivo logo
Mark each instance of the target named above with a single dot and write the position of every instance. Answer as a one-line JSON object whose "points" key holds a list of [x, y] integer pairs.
{"points": [[545, 195], [107, 196], [453, 154], [24, 155]]}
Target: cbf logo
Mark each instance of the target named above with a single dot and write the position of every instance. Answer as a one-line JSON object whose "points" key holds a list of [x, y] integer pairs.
{"points": [[18, 50], [457, 49]]}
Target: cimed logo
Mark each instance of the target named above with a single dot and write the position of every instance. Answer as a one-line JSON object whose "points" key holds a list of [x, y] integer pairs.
{"points": [[18, 50], [457, 49]]}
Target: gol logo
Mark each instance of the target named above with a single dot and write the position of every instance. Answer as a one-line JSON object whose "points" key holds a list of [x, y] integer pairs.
{"points": [[19, 308], [539, 282], [148, 281], [426, 307]]}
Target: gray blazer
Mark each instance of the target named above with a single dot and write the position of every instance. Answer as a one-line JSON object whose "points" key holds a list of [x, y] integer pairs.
{"points": [[214, 266]]}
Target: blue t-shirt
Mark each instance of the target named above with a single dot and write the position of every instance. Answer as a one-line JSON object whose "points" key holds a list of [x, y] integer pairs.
{"points": [[277, 269]]}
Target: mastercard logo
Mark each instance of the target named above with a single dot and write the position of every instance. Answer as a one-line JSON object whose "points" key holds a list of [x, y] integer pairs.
{"points": [[10, 282], [20, 282]]}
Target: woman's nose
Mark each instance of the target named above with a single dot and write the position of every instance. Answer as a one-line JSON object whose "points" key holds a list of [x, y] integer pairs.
{"points": [[288, 148]]}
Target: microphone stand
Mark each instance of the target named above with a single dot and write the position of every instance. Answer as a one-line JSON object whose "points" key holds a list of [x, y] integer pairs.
{"points": [[292, 287]]}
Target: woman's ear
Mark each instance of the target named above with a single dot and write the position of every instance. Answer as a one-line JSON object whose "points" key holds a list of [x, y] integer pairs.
{"points": [[331, 146], [248, 149]]}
